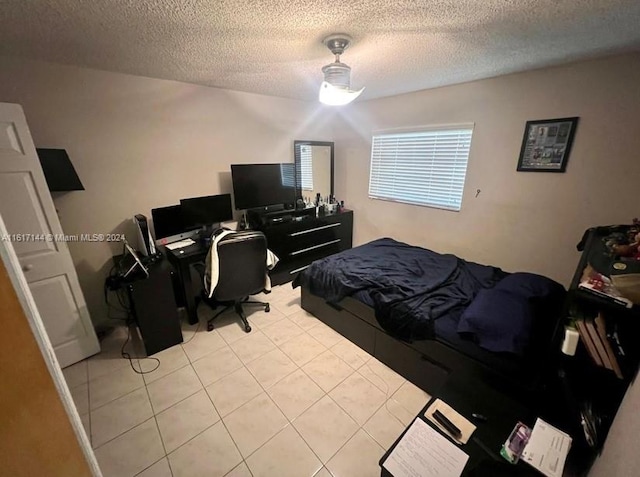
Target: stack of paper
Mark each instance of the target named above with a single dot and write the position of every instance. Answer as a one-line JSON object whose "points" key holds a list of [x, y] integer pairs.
{"points": [[547, 449], [424, 452]]}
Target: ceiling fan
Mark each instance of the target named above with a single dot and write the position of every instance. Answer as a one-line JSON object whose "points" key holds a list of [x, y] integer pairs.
{"points": [[336, 90]]}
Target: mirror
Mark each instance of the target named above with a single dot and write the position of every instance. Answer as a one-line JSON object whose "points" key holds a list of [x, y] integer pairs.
{"points": [[314, 168]]}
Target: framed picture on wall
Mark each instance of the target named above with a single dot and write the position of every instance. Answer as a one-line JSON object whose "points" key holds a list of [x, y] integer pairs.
{"points": [[546, 145]]}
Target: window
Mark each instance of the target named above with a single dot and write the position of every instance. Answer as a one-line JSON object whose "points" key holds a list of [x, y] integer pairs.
{"points": [[306, 168], [425, 167]]}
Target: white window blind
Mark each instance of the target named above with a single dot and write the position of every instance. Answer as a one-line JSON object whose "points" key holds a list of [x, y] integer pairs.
{"points": [[306, 168], [426, 167], [288, 175]]}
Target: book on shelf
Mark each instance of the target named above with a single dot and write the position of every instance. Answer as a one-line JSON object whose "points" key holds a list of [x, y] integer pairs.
{"points": [[588, 342], [618, 300], [593, 333], [600, 285], [601, 328], [597, 341]]}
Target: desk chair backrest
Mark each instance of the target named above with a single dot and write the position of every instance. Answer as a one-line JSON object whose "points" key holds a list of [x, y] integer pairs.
{"points": [[242, 261]]}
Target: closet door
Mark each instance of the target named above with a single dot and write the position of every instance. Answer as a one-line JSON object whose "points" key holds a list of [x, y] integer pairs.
{"points": [[34, 230]]}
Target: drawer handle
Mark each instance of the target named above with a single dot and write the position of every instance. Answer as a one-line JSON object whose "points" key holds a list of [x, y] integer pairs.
{"points": [[302, 232], [297, 252], [299, 269]]}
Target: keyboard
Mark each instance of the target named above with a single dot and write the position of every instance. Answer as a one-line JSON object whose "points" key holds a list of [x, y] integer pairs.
{"points": [[180, 244]]}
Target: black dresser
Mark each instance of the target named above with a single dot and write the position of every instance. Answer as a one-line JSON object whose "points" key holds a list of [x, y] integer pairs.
{"points": [[300, 238]]}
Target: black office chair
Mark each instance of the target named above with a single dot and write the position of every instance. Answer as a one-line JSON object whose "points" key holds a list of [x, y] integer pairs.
{"points": [[242, 264]]}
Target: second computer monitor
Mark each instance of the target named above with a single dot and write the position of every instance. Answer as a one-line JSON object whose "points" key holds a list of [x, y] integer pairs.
{"points": [[167, 222], [206, 211]]}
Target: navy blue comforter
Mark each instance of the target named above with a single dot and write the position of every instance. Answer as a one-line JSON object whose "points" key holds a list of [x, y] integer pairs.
{"points": [[409, 287]]}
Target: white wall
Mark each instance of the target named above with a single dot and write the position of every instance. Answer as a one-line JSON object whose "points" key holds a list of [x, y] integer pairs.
{"points": [[139, 143], [520, 220]]}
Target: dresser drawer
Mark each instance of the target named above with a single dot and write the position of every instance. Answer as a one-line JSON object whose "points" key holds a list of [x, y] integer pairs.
{"points": [[294, 264], [300, 242]]}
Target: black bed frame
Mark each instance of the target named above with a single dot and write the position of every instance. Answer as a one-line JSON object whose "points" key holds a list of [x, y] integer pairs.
{"points": [[428, 364]]}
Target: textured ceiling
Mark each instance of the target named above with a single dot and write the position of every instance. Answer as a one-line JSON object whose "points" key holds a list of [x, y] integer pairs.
{"points": [[274, 47]]}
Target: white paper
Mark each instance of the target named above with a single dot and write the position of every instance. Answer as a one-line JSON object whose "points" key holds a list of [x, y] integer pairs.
{"points": [[180, 244], [423, 452], [547, 449]]}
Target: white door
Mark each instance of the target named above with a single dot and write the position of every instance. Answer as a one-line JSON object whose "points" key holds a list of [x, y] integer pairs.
{"points": [[30, 217]]}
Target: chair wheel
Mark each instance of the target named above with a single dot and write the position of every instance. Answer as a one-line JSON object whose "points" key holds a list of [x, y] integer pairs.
{"points": [[267, 309], [209, 326], [247, 329]]}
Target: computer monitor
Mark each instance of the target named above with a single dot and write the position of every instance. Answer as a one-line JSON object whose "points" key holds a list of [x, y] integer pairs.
{"points": [[205, 211], [262, 185], [168, 224]]}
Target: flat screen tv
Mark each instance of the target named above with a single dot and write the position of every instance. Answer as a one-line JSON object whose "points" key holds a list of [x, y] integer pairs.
{"points": [[262, 185]]}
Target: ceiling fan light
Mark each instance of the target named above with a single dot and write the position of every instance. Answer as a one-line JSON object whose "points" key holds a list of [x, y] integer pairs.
{"points": [[338, 74], [335, 90], [336, 95]]}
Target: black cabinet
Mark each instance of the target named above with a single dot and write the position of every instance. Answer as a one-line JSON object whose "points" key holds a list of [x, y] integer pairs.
{"points": [[591, 393], [154, 308], [300, 239]]}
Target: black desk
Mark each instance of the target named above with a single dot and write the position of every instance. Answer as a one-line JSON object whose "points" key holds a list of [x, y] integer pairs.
{"points": [[296, 241], [484, 446], [182, 259]]}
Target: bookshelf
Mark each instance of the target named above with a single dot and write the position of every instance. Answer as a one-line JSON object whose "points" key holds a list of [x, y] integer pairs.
{"points": [[622, 323], [586, 382]]}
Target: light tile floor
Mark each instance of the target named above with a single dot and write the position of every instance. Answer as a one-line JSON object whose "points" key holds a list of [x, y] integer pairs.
{"points": [[291, 398]]}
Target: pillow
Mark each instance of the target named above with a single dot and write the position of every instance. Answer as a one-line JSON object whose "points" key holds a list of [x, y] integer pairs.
{"points": [[528, 285], [500, 321]]}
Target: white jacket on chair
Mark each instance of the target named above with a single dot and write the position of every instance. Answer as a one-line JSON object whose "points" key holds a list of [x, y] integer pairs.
{"points": [[212, 270]]}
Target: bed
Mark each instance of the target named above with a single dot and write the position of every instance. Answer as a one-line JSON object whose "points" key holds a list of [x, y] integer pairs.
{"points": [[437, 318]]}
